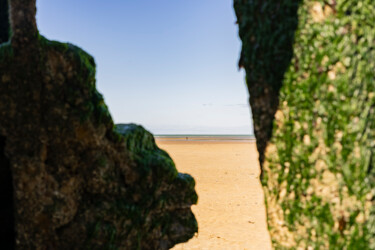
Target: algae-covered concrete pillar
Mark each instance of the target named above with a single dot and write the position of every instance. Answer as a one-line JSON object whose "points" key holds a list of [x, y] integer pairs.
{"points": [[70, 178], [318, 165]]}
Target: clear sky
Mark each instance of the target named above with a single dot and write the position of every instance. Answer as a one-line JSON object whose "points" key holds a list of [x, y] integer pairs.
{"points": [[169, 65]]}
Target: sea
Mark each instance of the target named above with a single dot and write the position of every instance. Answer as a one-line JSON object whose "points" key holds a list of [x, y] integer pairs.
{"points": [[199, 137]]}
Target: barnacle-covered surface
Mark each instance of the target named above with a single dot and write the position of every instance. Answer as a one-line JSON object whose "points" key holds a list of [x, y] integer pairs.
{"points": [[79, 181], [318, 173]]}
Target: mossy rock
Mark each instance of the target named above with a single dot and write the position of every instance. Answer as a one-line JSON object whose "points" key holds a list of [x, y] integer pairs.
{"points": [[318, 173], [77, 180]]}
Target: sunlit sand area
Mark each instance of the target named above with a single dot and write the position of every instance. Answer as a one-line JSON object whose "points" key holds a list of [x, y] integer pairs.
{"points": [[230, 210]]}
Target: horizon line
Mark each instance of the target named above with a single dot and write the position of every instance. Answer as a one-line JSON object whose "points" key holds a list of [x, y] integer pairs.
{"points": [[252, 135]]}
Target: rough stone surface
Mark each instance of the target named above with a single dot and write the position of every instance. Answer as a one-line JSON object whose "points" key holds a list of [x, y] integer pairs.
{"points": [[79, 181], [318, 169], [267, 29]]}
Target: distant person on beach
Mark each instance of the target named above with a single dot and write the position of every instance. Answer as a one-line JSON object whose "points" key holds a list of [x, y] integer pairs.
{"points": [[186, 138]]}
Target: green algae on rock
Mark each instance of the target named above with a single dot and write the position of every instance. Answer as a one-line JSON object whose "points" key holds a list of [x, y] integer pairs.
{"points": [[318, 173], [79, 181]]}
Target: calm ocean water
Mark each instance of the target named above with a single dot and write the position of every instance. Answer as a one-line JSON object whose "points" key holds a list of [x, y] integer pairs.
{"points": [[194, 137]]}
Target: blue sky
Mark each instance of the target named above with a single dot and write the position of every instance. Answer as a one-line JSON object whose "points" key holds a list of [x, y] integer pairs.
{"points": [[169, 65]]}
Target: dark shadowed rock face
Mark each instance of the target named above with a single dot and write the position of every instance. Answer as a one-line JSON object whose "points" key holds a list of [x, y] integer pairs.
{"points": [[267, 31], [7, 233], [4, 21], [318, 165], [79, 181]]}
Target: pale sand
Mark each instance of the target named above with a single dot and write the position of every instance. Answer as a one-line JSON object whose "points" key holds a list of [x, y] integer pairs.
{"points": [[230, 210]]}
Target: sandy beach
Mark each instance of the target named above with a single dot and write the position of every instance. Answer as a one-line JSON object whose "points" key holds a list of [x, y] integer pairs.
{"points": [[230, 210]]}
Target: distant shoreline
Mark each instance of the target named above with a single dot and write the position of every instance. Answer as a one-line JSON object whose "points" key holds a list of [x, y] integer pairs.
{"points": [[232, 138]]}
